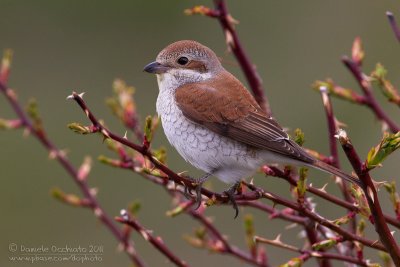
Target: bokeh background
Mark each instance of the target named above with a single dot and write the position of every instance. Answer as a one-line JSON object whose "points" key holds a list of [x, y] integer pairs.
{"points": [[62, 46]]}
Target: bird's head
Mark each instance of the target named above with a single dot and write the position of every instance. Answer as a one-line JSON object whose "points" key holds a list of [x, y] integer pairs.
{"points": [[185, 62]]}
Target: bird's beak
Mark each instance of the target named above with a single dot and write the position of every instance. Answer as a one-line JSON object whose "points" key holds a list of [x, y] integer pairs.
{"points": [[155, 68]]}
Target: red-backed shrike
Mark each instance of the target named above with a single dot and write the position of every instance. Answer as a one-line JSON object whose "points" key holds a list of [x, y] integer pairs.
{"points": [[215, 123]]}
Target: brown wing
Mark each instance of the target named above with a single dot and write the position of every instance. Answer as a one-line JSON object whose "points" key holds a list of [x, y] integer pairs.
{"points": [[226, 107]]}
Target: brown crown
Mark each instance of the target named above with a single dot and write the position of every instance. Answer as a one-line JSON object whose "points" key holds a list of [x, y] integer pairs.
{"points": [[185, 47]]}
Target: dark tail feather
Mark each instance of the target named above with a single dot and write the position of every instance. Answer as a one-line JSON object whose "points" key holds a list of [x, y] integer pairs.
{"points": [[332, 170]]}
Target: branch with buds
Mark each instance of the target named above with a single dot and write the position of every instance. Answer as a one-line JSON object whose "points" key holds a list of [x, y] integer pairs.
{"points": [[32, 123], [228, 23], [325, 239]]}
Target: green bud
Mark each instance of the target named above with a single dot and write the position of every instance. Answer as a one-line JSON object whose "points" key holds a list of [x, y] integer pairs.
{"points": [[379, 77], [324, 244], [79, 128], [148, 131], [299, 137], [388, 145], [134, 207], [295, 262], [160, 154], [301, 183]]}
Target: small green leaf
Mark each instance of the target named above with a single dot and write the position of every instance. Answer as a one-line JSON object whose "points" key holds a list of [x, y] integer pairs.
{"points": [[378, 76], [299, 137], [295, 262], [161, 154], [148, 128], [324, 244], [33, 112], [388, 145], [301, 183], [134, 207], [250, 231], [79, 128]]}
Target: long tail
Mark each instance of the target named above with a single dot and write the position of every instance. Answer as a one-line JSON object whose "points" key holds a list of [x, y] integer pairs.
{"points": [[332, 170]]}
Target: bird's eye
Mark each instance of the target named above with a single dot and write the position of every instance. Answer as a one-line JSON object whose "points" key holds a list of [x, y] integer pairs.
{"points": [[183, 61]]}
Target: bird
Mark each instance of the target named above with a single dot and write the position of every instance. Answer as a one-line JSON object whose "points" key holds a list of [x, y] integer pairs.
{"points": [[216, 124]]}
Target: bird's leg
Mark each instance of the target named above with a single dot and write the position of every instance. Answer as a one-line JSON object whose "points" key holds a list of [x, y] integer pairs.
{"points": [[199, 183], [231, 196]]}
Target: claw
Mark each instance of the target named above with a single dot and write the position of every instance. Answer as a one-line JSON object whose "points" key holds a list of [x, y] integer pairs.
{"points": [[199, 183], [230, 193], [187, 192], [198, 196]]}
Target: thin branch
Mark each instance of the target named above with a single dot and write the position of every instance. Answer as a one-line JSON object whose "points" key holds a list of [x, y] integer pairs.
{"points": [[72, 171], [311, 253], [274, 212], [249, 69], [381, 227], [332, 129], [254, 194], [365, 85], [276, 172], [157, 242], [227, 247], [317, 218], [393, 24]]}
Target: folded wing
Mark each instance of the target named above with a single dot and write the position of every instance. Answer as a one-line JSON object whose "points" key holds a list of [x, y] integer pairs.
{"points": [[226, 107]]}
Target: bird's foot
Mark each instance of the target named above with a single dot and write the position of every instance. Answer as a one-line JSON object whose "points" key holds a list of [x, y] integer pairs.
{"points": [[198, 185], [230, 193]]}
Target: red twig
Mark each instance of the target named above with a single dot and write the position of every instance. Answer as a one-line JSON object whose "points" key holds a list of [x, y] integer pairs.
{"points": [[372, 197], [332, 129], [365, 85], [273, 171], [306, 254], [157, 242], [255, 194], [317, 218], [236, 47], [72, 171], [393, 24], [227, 247]]}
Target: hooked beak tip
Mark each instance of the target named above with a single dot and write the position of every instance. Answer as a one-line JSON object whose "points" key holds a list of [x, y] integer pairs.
{"points": [[155, 68]]}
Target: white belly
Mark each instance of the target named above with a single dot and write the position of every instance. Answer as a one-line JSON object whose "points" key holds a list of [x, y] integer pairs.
{"points": [[230, 161]]}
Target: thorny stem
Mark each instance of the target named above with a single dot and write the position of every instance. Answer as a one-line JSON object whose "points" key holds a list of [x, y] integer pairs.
{"points": [[316, 217], [255, 194], [228, 248], [73, 172], [234, 251], [311, 253], [275, 172], [393, 24], [365, 85], [236, 47], [157, 242], [332, 129], [381, 227]]}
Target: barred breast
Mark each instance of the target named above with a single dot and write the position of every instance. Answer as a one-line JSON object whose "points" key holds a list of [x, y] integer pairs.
{"points": [[229, 160]]}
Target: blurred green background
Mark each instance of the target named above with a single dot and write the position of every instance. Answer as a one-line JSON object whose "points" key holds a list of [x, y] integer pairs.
{"points": [[62, 46]]}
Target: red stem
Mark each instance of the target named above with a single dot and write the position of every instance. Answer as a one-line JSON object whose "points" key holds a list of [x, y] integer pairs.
{"points": [[67, 165], [371, 101], [228, 247], [236, 47], [373, 201], [255, 194], [155, 241], [332, 129], [393, 24], [273, 171]]}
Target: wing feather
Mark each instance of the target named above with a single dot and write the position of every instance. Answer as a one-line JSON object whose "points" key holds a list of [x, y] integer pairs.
{"points": [[226, 107]]}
